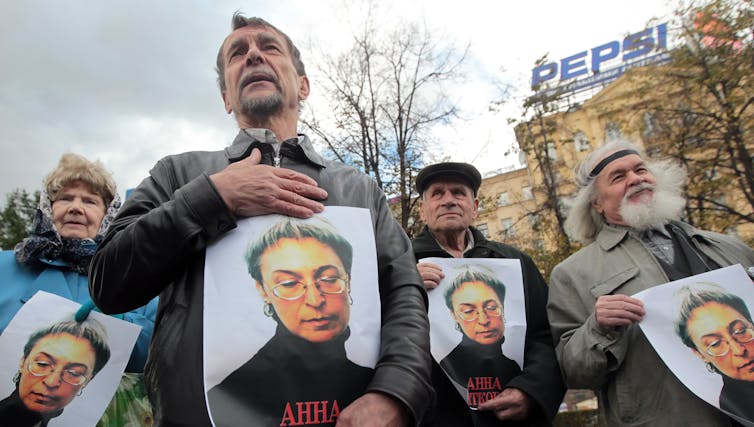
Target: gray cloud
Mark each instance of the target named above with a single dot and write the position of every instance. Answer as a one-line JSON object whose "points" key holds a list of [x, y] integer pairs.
{"points": [[129, 81], [123, 81]]}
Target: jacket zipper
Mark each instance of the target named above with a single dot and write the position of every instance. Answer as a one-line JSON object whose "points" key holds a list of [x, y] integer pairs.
{"points": [[276, 158]]}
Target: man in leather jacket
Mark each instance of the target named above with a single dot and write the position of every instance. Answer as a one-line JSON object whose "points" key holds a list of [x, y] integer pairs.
{"points": [[448, 205], [157, 244]]}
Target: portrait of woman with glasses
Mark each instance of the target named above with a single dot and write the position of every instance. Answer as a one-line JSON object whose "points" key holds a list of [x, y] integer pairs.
{"points": [[717, 326], [475, 300], [57, 364], [302, 271]]}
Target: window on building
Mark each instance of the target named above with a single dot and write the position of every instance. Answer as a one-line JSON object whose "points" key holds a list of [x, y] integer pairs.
{"points": [[552, 151], [580, 141], [506, 225], [483, 229], [650, 125], [526, 193], [612, 132], [503, 199]]}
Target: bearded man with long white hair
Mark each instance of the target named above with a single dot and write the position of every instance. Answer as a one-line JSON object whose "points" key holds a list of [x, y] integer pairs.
{"points": [[627, 212]]}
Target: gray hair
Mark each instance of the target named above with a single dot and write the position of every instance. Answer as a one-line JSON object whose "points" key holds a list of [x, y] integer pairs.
{"points": [[693, 297], [583, 223], [72, 168], [90, 330], [240, 21], [474, 273], [292, 228]]}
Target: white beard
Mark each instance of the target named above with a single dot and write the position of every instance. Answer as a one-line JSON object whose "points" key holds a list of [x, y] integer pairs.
{"points": [[662, 207]]}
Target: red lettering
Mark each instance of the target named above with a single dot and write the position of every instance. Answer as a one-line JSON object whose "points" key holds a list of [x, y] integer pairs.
{"points": [[334, 412], [310, 413], [483, 383], [476, 398], [288, 419], [303, 412], [320, 409]]}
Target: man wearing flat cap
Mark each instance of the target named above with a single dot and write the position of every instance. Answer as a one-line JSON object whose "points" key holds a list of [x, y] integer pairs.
{"points": [[448, 205], [627, 213]]}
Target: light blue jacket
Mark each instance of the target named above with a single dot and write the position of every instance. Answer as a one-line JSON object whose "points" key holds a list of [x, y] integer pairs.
{"points": [[18, 283]]}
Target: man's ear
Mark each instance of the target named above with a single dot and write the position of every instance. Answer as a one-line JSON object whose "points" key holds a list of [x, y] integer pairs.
{"points": [[421, 209], [228, 108], [597, 205], [303, 89], [476, 208]]}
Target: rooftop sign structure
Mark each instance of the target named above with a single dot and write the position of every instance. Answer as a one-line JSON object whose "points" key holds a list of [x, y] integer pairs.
{"points": [[601, 64]]}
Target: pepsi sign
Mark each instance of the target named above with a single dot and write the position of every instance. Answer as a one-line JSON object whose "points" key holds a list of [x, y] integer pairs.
{"points": [[591, 62]]}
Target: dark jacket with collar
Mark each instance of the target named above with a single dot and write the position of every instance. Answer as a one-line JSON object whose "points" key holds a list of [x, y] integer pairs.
{"points": [[318, 374], [540, 378], [156, 246], [13, 413]]}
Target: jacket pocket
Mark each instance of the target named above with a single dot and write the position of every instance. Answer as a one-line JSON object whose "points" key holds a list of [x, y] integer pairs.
{"points": [[641, 386], [614, 282]]}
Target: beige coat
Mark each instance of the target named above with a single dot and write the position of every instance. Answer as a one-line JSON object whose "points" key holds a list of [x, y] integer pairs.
{"points": [[633, 386]]}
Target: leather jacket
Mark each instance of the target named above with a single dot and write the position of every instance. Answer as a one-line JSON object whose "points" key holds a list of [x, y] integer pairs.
{"points": [[157, 243]]}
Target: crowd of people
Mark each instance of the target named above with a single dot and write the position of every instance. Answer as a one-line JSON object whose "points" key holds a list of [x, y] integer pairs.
{"points": [[581, 330]]}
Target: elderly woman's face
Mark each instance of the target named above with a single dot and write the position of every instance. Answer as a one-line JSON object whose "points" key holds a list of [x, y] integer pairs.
{"points": [[57, 367], [723, 337], [77, 212], [306, 283], [479, 311]]}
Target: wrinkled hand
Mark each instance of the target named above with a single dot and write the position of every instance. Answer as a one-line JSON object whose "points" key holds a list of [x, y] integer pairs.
{"points": [[251, 189], [431, 274], [374, 410], [510, 404], [617, 310]]}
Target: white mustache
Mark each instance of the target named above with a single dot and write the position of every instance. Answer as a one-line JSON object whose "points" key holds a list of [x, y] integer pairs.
{"points": [[637, 188]]}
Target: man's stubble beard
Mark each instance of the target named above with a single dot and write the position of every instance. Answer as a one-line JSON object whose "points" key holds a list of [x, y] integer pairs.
{"points": [[262, 107], [664, 206]]}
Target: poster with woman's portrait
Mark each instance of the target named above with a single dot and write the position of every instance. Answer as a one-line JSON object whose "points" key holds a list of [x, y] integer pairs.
{"points": [[59, 372], [477, 319], [702, 328], [291, 318]]}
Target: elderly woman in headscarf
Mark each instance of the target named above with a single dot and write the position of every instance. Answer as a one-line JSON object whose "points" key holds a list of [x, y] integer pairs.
{"points": [[77, 204]]}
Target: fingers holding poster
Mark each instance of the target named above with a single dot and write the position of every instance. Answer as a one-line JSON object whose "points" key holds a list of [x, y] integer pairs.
{"points": [[478, 324], [292, 318], [60, 371], [706, 336]]}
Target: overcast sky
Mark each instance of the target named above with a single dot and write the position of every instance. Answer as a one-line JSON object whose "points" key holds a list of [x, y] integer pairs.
{"points": [[130, 81]]}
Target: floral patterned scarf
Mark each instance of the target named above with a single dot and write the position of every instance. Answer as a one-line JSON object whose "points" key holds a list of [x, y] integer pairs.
{"points": [[45, 247]]}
